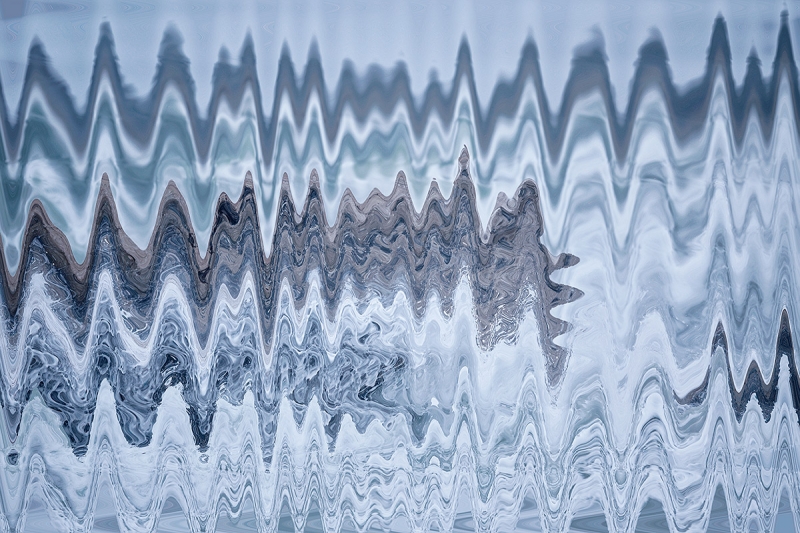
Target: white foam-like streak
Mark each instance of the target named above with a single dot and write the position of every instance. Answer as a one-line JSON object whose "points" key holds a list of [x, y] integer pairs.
{"points": [[346, 474], [431, 432]]}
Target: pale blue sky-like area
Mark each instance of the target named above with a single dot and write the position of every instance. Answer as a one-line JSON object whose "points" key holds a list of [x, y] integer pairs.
{"points": [[423, 35]]}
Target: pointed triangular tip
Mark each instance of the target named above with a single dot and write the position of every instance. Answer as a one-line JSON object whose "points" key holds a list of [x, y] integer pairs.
{"points": [[653, 51], [594, 49], [720, 44], [785, 320], [36, 52], [172, 187], [105, 32], [529, 49], [785, 344], [720, 28], [171, 43], [313, 181], [248, 180], [313, 50], [753, 60], [105, 187], [501, 202], [434, 190], [564, 260], [464, 52], [286, 53], [400, 182], [463, 160], [247, 54], [720, 339]]}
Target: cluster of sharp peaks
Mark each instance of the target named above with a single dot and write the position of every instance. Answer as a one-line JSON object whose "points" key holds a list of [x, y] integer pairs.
{"points": [[383, 92], [377, 248]]}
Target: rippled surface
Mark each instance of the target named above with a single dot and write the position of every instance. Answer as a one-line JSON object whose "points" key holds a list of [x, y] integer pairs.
{"points": [[301, 299]]}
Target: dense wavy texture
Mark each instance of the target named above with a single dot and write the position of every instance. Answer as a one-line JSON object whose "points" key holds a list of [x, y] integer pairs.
{"points": [[174, 359], [376, 249]]}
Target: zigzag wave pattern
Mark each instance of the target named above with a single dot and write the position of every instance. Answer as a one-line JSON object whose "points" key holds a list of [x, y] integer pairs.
{"points": [[412, 361]]}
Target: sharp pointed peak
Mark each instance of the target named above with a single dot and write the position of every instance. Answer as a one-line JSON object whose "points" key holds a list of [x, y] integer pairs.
{"points": [[247, 54], [248, 181], [105, 32], [171, 43], [720, 338], [313, 180], [285, 185], [463, 160], [400, 182], [313, 50]]}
